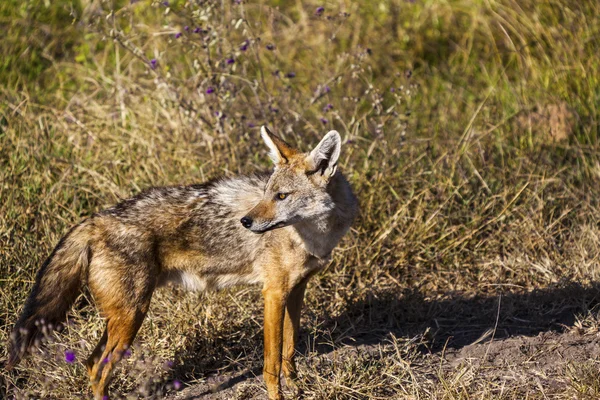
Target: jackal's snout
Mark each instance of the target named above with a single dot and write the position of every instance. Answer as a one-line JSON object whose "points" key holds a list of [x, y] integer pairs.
{"points": [[246, 222]]}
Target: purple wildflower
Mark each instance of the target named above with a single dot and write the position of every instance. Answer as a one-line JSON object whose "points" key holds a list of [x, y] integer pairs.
{"points": [[244, 46], [324, 120], [176, 384], [153, 63], [197, 30], [165, 3], [230, 61], [327, 89], [210, 90], [186, 28], [290, 75], [392, 90], [177, 35], [271, 47], [105, 360], [127, 353], [320, 10], [328, 107], [104, 397], [70, 356], [251, 125]]}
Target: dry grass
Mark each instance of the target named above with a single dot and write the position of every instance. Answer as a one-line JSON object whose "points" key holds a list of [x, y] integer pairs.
{"points": [[472, 140]]}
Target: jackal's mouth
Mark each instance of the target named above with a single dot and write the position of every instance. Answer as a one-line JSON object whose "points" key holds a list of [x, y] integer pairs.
{"points": [[280, 224]]}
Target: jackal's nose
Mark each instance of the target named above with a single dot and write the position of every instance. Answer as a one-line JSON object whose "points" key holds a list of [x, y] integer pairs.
{"points": [[246, 222]]}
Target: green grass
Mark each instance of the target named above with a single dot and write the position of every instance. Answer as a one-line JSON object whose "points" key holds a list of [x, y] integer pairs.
{"points": [[477, 175]]}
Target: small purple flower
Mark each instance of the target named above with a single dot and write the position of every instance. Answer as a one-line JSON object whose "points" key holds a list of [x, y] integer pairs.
{"points": [[70, 356], [230, 61], [197, 30], [290, 75], [328, 107], [127, 353], [153, 63], [105, 360], [104, 397], [327, 89], [270, 47], [169, 364], [186, 28], [165, 3], [324, 121], [244, 46], [177, 35], [320, 10], [392, 90], [176, 384], [251, 125], [210, 90]]}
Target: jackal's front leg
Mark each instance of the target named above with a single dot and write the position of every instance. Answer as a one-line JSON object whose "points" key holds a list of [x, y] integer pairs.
{"points": [[275, 300], [291, 327]]}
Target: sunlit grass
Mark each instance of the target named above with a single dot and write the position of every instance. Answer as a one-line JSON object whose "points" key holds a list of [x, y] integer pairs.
{"points": [[470, 135]]}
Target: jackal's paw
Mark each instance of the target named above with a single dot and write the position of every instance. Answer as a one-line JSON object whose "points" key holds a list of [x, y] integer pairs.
{"points": [[293, 388]]}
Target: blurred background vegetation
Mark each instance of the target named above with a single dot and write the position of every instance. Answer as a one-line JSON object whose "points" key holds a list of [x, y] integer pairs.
{"points": [[471, 132]]}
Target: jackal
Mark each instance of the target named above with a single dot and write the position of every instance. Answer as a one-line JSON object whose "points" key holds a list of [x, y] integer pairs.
{"points": [[276, 230]]}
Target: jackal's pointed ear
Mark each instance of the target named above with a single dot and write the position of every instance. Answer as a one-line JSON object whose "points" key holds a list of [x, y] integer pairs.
{"points": [[323, 159], [279, 151]]}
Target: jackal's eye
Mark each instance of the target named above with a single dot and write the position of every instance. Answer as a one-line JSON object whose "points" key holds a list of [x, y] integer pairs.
{"points": [[281, 196]]}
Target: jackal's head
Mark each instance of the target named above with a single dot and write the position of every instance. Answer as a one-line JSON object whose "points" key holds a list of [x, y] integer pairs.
{"points": [[297, 190]]}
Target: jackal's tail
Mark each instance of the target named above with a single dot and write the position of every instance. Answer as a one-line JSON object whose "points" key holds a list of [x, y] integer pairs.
{"points": [[56, 287]]}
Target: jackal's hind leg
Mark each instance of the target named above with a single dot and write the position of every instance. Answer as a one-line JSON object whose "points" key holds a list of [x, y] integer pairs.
{"points": [[119, 335], [96, 355]]}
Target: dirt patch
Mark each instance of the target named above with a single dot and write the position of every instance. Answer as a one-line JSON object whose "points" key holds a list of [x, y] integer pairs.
{"points": [[548, 361], [547, 364], [555, 122]]}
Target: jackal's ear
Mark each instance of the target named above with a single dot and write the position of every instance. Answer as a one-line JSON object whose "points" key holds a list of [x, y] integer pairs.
{"points": [[280, 151], [323, 158]]}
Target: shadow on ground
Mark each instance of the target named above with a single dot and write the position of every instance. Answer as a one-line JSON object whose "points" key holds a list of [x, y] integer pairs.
{"points": [[455, 321], [450, 322]]}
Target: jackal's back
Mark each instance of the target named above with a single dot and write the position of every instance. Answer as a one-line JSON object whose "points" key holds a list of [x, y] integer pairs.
{"points": [[191, 234]]}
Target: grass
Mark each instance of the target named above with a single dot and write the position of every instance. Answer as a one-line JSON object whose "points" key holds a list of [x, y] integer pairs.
{"points": [[471, 134]]}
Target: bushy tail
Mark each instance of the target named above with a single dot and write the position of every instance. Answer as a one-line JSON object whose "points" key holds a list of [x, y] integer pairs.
{"points": [[56, 287]]}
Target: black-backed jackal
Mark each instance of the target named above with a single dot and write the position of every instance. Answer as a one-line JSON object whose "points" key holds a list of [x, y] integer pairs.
{"points": [[275, 230]]}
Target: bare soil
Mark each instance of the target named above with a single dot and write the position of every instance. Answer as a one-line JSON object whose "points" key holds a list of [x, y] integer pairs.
{"points": [[545, 361], [538, 343]]}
